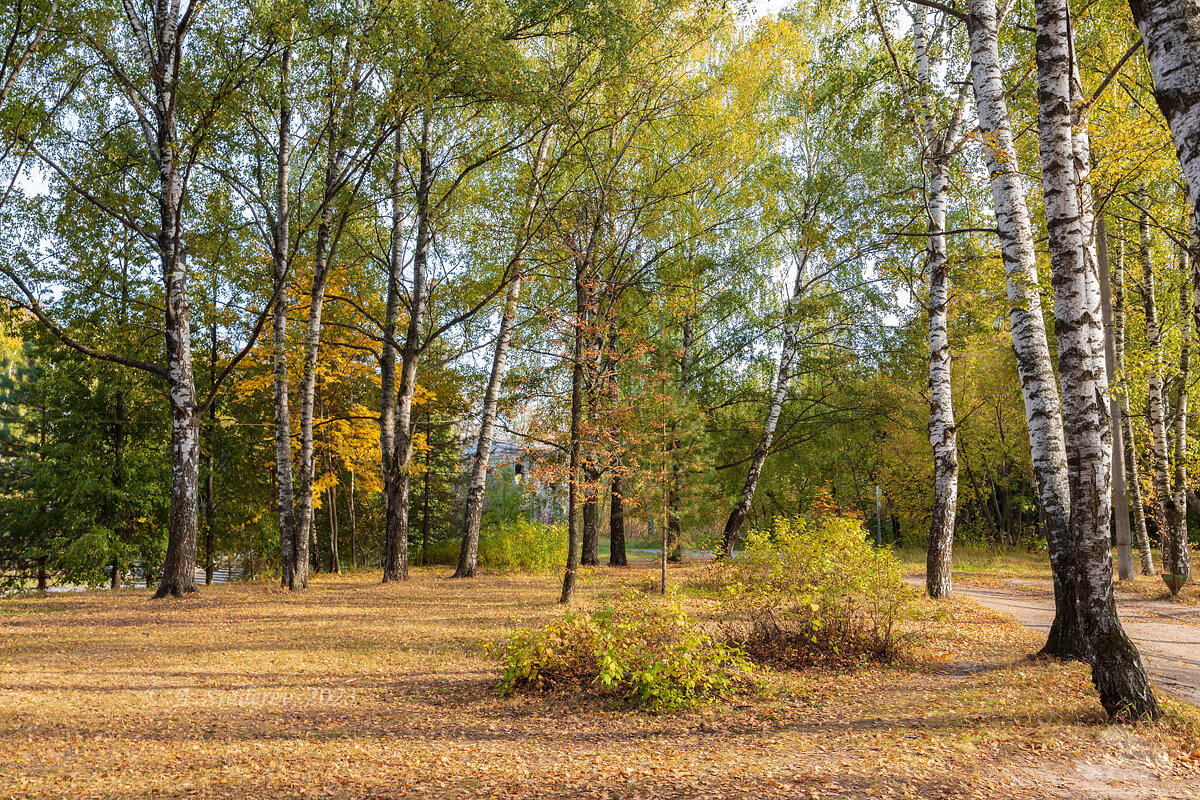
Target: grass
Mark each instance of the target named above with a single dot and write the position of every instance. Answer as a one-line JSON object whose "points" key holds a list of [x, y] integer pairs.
{"points": [[989, 563], [982, 561], [359, 690]]}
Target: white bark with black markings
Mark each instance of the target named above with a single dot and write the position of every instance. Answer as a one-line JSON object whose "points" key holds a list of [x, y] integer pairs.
{"points": [[1039, 387], [1171, 37], [783, 373], [1117, 669], [468, 555], [1156, 401], [283, 421], [1132, 473]]}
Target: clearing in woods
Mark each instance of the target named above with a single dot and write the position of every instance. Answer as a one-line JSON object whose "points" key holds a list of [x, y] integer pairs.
{"points": [[358, 690]]}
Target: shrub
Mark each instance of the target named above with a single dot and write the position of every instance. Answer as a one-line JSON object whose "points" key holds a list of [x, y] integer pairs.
{"points": [[813, 590], [522, 545], [644, 651], [444, 553]]}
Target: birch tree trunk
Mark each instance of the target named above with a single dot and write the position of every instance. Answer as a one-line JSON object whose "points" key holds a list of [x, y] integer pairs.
{"points": [[1175, 556], [468, 553], [396, 552], [1171, 36], [283, 422], [1117, 669], [787, 354], [308, 389], [943, 434], [1159, 459], [1121, 532], [1183, 560], [1043, 413], [1132, 475], [387, 368], [179, 566], [937, 147], [942, 428]]}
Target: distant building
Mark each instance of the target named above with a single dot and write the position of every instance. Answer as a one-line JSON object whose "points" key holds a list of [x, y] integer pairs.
{"points": [[516, 475]]}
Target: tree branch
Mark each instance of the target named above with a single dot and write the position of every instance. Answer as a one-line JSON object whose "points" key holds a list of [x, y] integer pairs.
{"points": [[32, 304]]}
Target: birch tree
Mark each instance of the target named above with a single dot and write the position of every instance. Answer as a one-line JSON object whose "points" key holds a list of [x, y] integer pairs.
{"points": [[350, 135], [1129, 447], [938, 142], [1176, 560], [280, 227], [145, 60], [469, 552], [461, 128], [1117, 669], [783, 374], [1039, 387], [1171, 35], [1156, 399]]}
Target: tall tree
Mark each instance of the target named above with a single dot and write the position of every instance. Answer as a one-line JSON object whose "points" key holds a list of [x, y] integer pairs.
{"points": [[1117, 669], [787, 354], [1128, 443], [1171, 33], [468, 556], [938, 141], [1176, 560], [1039, 387], [145, 63], [396, 476]]}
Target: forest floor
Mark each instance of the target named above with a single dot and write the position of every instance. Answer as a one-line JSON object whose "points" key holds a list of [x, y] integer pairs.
{"points": [[358, 690]]}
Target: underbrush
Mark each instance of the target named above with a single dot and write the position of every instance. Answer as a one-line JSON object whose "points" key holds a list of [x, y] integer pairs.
{"points": [[514, 546], [647, 652], [808, 592], [812, 591], [522, 545]]}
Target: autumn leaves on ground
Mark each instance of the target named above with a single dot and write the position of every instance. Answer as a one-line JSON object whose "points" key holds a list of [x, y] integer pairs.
{"points": [[356, 689]]}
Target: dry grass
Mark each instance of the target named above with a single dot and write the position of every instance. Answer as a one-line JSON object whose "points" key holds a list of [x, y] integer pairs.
{"points": [[1152, 588], [983, 561], [357, 690]]}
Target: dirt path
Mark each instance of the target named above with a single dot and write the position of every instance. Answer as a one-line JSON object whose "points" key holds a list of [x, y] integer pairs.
{"points": [[1168, 634]]}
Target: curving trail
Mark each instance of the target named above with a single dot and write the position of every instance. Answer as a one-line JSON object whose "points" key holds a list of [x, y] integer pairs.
{"points": [[1166, 633]]}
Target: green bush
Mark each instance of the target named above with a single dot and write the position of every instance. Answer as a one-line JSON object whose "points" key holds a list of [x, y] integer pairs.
{"points": [[813, 590], [642, 650], [521, 545], [444, 553]]}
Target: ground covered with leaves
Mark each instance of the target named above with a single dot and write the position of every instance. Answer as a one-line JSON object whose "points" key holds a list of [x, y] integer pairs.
{"points": [[358, 690]]}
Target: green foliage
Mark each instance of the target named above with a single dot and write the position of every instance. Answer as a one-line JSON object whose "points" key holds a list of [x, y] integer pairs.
{"points": [[81, 483], [813, 590], [521, 545], [444, 553], [642, 650]]}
